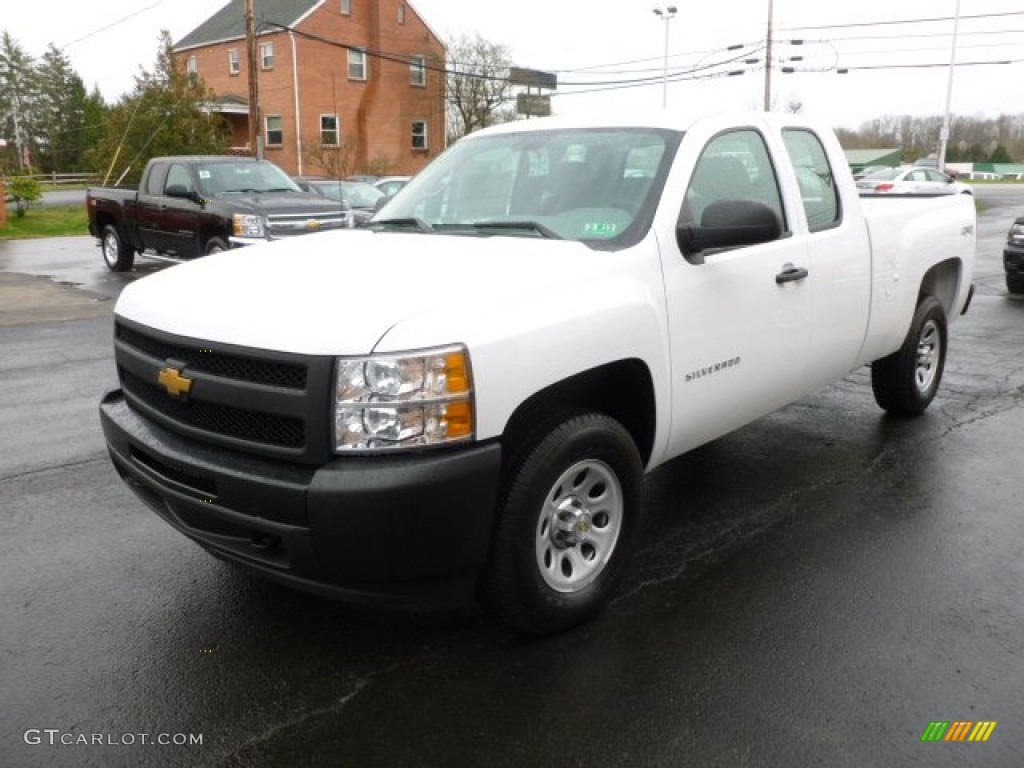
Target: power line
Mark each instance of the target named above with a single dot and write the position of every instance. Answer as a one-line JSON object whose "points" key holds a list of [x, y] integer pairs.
{"points": [[112, 24]]}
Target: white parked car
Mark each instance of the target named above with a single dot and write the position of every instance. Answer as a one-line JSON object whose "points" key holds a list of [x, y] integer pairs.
{"points": [[910, 180]]}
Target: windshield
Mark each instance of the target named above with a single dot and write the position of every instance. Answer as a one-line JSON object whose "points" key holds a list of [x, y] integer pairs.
{"points": [[241, 178], [355, 193], [885, 174], [591, 185]]}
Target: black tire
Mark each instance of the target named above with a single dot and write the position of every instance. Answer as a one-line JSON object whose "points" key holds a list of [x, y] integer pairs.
{"points": [[118, 255], [1014, 283], [569, 506], [905, 382], [215, 245]]}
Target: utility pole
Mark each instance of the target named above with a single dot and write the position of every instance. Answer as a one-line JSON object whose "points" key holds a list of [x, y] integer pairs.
{"points": [[768, 63], [666, 15], [944, 134], [254, 90]]}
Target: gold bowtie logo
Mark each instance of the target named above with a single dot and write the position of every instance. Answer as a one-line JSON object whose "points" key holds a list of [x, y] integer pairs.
{"points": [[175, 384]]}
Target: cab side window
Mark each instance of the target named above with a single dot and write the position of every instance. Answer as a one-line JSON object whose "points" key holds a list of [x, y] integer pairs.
{"points": [[179, 176], [814, 175], [155, 182]]}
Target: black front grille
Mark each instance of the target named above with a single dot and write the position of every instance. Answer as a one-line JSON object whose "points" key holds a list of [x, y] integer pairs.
{"points": [[252, 426], [269, 372], [256, 401]]}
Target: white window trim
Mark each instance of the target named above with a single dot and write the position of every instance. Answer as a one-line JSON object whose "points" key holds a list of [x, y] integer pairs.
{"points": [[401, 13], [266, 131], [418, 66], [337, 130], [345, 7], [234, 62], [366, 64], [426, 136], [263, 56], [192, 65]]}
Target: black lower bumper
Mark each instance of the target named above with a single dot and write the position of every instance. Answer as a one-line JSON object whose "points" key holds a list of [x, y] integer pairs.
{"points": [[409, 530], [1013, 260]]}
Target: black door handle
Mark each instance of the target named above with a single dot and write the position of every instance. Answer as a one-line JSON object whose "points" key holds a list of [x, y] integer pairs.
{"points": [[790, 274]]}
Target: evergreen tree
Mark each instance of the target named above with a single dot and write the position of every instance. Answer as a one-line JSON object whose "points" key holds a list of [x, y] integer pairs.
{"points": [[17, 96], [59, 113], [164, 114]]}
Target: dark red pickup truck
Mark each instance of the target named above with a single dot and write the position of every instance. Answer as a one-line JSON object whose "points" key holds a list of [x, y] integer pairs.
{"points": [[194, 205]]}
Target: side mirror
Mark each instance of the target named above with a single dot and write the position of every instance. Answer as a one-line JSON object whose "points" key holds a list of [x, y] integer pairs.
{"points": [[181, 191], [728, 224]]}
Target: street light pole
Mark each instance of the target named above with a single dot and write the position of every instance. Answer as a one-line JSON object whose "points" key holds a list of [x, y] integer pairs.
{"points": [[666, 15], [944, 134]]}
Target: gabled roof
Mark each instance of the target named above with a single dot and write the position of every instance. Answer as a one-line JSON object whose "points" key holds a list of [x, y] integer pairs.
{"points": [[229, 22]]}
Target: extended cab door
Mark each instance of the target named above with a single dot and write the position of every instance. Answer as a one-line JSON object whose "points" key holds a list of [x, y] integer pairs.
{"points": [[149, 205], [838, 253], [739, 319]]}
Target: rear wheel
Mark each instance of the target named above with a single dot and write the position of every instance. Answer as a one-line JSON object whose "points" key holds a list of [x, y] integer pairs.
{"points": [[570, 503], [118, 255], [905, 382], [1015, 283]]}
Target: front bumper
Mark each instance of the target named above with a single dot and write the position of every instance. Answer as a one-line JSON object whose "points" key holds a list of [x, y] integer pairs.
{"points": [[408, 531]]}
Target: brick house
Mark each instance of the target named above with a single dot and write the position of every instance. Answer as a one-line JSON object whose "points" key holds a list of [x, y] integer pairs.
{"points": [[374, 107]]}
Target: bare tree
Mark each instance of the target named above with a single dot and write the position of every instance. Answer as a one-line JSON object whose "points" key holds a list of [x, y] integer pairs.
{"points": [[477, 91]]}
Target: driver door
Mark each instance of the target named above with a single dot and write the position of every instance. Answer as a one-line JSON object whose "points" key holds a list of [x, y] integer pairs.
{"points": [[738, 318]]}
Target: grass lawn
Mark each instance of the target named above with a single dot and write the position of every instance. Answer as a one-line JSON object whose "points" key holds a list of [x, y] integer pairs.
{"points": [[55, 221]]}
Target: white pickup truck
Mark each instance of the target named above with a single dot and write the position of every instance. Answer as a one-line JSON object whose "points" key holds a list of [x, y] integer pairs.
{"points": [[461, 400]]}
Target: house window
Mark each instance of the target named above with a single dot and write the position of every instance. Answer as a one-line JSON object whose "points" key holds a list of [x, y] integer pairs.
{"points": [[418, 70], [234, 63], [274, 135], [267, 55], [419, 134], [401, 14], [192, 65], [357, 64], [346, 7], [329, 130]]}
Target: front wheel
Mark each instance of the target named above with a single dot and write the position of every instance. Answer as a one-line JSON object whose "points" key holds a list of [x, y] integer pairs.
{"points": [[215, 245], [569, 506], [905, 382], [118, 255]]}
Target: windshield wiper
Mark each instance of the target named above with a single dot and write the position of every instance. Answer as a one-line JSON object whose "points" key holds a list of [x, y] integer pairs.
{"points": [[524, 225], [409, 221]]}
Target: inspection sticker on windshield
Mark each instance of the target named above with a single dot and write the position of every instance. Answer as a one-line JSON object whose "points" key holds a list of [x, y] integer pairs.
{"points": [[204, 174], [600, 228]]}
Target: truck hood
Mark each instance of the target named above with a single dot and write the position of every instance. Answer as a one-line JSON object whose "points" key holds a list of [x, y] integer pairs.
{"points": [[270, 203], [339, 293]]}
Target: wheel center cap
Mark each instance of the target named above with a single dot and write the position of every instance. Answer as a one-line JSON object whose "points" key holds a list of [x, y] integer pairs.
{"points": [[571, 524]]}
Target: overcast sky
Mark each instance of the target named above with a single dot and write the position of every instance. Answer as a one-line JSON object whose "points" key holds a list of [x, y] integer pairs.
{"points": [[592, 44]]}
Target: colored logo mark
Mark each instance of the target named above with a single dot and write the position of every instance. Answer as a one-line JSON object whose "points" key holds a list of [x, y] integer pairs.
{"points": [[958, 730]]}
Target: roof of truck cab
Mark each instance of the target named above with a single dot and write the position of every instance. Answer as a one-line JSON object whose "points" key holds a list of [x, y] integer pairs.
{"points": [[656, 118], [205, 159]]}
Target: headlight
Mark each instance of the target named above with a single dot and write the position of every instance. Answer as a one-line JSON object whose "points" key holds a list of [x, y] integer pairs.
{"points": [[396, 401], [248, 225], [1016, 234]]}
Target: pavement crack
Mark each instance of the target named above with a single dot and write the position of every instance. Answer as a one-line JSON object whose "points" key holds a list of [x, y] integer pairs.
{"points": [[43, 470], [333, 707]]}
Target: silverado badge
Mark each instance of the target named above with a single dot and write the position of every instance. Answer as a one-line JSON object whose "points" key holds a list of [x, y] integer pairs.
{"points": [[175, 384]]}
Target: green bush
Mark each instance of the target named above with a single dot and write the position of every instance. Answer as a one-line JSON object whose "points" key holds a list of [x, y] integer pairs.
{"points": [[23, 191]]}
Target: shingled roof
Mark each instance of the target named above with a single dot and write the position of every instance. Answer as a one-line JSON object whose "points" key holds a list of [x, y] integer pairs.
{"points": [[229, 22]]}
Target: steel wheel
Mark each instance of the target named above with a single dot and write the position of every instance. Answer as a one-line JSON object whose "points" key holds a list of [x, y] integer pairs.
{"points": [[578, 526], [111, 247], [905, 382], [928, 356], [570, 504]]}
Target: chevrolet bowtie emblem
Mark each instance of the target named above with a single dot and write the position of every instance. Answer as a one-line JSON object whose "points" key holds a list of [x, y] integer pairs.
{"points": [[312, 224], [175, 384]]}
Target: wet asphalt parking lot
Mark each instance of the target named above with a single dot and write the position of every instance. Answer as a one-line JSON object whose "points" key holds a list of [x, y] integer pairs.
{"points": [[813, 589]]}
